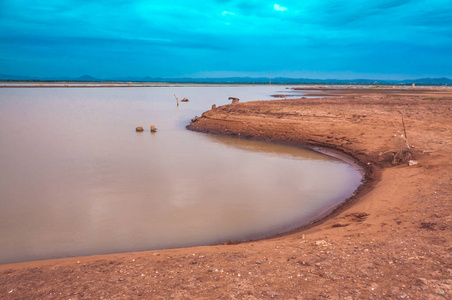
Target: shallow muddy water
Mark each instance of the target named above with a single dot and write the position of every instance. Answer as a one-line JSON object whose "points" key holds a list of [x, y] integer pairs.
{"points": [[76, 179]]}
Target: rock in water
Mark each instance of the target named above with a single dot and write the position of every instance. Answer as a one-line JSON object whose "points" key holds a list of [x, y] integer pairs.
{"points": [[153, 129], [184, 100], [139, 129]]}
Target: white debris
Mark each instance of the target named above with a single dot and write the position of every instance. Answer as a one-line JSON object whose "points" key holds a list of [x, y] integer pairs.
{"points": [[412, 163], [321, 243]]}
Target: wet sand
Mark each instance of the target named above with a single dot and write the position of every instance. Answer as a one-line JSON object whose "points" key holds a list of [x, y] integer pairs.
{"points": [[391, 240]]}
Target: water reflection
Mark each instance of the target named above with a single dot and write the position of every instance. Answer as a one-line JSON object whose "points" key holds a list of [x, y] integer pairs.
{"points": [[273, 149]]}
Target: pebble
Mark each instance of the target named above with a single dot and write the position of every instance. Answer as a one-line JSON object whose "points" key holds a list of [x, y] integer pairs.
{"points": [[412, 163], [321, 243]]}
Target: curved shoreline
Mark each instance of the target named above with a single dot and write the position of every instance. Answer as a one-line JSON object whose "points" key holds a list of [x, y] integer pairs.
{"points": [[390, 241], [370, 175], [371, 171]]}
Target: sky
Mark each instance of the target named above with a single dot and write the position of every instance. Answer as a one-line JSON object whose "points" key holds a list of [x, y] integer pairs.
{"points": [[220, 38]]}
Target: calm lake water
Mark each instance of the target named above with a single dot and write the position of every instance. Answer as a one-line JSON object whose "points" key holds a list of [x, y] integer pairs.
{"points": [[76, 179]]}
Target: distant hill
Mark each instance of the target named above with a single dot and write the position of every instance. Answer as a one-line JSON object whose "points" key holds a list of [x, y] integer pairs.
{"points": [[238, 80], [14, 77], [86, 78], [286, 80], [442, 80]]}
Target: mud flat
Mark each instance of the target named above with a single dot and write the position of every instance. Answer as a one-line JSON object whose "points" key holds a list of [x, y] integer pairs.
{"points": [[392, 240]]}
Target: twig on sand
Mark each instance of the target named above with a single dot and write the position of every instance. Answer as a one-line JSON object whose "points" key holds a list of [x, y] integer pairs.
{"points": [[177, 99], [404, 130]]}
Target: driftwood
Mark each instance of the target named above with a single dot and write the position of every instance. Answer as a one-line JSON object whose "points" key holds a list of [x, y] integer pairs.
{"points": [[404, 131], [234, 100]]}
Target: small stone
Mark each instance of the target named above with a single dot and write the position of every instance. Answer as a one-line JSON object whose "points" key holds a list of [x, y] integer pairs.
{"points": [[321, 243], [139, 129], [412, 163], [153, 129]]}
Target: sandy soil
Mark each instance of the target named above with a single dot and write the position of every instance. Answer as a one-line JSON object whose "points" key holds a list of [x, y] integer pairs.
{"points": [[391, 241]]}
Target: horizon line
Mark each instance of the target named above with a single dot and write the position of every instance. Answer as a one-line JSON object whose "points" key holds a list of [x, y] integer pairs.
{"points": [[88, 78]]}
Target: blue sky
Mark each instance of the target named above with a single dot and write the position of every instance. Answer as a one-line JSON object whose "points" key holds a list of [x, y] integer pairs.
{"points": [[175, 38]]}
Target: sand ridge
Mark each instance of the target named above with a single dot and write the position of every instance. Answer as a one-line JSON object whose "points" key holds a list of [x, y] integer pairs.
{"points": [[392, 240]]}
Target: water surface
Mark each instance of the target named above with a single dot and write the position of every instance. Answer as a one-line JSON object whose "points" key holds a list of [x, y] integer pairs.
{"points": [[76, 179]]}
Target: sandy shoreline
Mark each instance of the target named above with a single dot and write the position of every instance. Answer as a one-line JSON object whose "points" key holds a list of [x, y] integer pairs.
{"points": [[392, 240]]}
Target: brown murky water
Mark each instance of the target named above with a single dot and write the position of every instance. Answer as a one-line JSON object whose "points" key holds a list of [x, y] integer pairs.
{"points": [[76, 179]]}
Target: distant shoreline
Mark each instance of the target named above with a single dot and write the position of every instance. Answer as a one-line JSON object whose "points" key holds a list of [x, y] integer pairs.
{"points": [[87, 79], [82, 84]]}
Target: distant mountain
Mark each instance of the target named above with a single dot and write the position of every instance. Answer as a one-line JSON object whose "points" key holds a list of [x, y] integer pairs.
{"points": [[237, 80], [13, 77], [87, 78], [254, 80], [442, 80], [285, 80]]}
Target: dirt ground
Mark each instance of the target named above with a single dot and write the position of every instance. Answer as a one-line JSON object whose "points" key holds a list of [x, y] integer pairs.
{"points": [[390, 241]]}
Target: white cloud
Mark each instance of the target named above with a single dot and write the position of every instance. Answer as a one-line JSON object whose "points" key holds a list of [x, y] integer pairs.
{"points": [[279, 7], [228, 13]]}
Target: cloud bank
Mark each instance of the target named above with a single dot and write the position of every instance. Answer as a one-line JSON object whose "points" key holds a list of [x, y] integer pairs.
{"points": [[396, 39]]}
